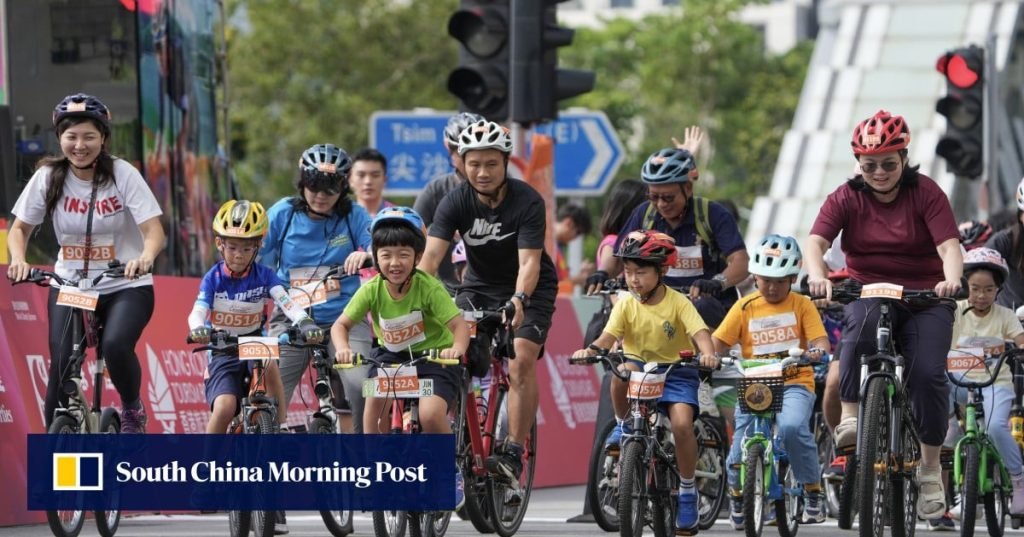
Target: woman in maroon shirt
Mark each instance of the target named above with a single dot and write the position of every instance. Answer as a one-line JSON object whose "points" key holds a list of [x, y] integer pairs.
{"points": [[898, 227]]}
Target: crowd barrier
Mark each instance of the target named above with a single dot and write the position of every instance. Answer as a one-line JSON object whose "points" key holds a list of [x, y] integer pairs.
{"points": [[172, 380]]}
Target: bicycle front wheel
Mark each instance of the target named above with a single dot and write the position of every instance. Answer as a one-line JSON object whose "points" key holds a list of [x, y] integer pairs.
{"points": [[509, 500], [632, 490], [262, 422], [754, 491], [996, 498], [65, 523], [903, 496], [789, 508], [389, 523], [969, 498], [108, 521], [873, 457]]}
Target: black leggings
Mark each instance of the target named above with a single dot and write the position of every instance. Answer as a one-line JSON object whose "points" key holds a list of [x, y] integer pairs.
{"points": [[123, 314]]}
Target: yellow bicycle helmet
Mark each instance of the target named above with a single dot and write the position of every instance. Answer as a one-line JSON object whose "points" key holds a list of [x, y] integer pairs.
{"points": [[241, 219]]}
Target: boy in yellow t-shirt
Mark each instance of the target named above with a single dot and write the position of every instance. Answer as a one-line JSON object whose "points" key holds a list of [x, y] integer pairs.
{"points": [[766, 324], [656, 323]]}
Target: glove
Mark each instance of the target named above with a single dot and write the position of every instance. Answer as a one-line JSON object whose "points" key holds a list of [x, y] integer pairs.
{"points": [[597, 279], [199, 334], [708, 287], [311, 332]]}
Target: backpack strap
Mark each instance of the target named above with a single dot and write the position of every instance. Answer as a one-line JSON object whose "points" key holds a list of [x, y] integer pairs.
{"points": [[702, 219], [648, 221]]}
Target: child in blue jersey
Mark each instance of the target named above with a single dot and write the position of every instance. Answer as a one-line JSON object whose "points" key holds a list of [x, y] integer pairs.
{"points": [[232, 297], [412, 313]]}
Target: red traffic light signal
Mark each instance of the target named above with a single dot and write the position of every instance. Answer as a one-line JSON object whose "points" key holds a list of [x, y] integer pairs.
{"points": [[963, 107], [963, 68]]}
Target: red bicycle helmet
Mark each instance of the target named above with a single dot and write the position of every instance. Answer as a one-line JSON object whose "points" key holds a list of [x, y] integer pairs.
{"points": [[974, 234], [649, 246], [880, 133]]}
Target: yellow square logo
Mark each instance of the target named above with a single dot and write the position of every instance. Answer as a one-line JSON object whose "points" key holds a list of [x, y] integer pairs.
{"points": [[77, 471]]}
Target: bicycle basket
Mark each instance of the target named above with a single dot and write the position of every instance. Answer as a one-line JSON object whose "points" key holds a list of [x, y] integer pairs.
{"points": [[760, 394]]}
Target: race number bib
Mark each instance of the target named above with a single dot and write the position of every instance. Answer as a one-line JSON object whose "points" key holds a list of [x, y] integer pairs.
{"points": [[236, 316], [401, 383], [258, 348], [644, 386], [402, 332], [773, 334], [307, 289], [882, 290], [74, 297], [966, 360], [689, 263], [73, 252]]}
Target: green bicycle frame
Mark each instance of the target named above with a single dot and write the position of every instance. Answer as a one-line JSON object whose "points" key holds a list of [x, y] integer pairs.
{"points": [[974, 435], [759, 438]]}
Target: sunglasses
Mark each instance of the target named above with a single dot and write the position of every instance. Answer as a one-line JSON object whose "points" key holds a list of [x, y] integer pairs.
{"points": [[325, 191], [871, 167], [667, 198]]}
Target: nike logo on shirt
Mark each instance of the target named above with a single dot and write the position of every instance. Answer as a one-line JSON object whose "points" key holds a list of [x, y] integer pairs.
{"points": [[483, 232]]}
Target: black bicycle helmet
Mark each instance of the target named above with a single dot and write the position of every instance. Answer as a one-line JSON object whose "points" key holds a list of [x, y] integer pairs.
{"points": [[84, 106], [325, 167], [668, 166]]}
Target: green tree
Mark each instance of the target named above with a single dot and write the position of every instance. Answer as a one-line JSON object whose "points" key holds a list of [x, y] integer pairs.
{"points": [[312, 71]]}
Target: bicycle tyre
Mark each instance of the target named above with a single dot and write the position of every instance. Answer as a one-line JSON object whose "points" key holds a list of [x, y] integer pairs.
{"points": [[603, 475], [664, 489], [263, 521], [995, 500], [848, 493], [969, 496], [874, 447], [478, 502], [711, 456], [509, 514], [337, 522], [108, 521], [788, 508], [239, 523], [389, 523], [632, 490], [65, 523], [826, 454], [903, 496], [754, 491]]}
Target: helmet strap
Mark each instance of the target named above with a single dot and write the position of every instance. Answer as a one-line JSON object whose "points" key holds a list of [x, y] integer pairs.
{"points": [[497, 192], [644, 298]]}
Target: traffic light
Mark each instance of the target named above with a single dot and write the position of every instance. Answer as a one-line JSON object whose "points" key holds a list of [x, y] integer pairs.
{"points": [[537, 82], [481, 81], [963, 105]]}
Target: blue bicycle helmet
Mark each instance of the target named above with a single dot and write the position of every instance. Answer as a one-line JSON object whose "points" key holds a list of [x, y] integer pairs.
{"points": [[325, 167], [402, 216], [668, 166]]}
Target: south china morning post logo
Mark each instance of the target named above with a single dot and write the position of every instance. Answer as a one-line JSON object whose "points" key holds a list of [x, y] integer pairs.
{"points": [[77, 472]]}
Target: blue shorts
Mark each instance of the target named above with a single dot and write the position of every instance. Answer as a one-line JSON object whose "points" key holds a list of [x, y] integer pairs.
{"points": [[680, 387], [228, 376]]}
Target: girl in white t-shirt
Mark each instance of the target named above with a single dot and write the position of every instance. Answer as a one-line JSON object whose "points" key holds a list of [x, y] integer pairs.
{"points": [[101, 201], [977, 318]]}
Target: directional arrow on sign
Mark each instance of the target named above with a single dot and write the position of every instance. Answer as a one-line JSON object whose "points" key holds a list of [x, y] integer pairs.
{"points": [[587, 153]]}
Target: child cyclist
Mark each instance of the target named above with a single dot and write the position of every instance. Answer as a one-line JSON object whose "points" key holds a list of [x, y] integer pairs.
{"points": [[766, 324], [980, 317], [232, 296], [398, 296], [656, 324]]}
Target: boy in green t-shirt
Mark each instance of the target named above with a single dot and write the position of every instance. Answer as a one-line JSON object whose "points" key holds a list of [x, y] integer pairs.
{"points": [[412, 313]]}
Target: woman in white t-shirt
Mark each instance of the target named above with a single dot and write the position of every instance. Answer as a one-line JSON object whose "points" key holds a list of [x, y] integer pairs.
{"points": [[93, 199]]}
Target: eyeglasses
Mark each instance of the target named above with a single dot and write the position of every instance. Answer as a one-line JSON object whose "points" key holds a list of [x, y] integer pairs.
{"points": [[871, 167], [983, 290], [667, 198]]}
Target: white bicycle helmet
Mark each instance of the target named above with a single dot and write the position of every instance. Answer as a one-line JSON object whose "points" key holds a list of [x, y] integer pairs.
{"points": [[1020, 195], [988, 259], [485, 135], [776, 256]]}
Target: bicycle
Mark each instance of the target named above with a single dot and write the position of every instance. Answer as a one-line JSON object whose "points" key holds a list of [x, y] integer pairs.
{"points": [[79, 416], [325, 418], [493, 503], [400, 383], [887, 441], [648, 475], [765, 473], [978, 468], [258, 416]]}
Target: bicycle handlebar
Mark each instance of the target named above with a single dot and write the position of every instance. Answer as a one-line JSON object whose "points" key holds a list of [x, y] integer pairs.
{"points": [[850, 290], [612, 359], [959, 380], [40, 277], [432, 355]]}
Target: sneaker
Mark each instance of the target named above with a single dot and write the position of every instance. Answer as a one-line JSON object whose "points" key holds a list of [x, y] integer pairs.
{"points": [[736, 512], [460, 490], [814, 508], [943, 523], [133, 420], [769, 514], [615, 438], [1017, 505], [280, 524], [846, 433], [686, 517], [507, 462]]}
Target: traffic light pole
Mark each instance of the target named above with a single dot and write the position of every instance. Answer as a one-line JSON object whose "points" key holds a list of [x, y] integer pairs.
{"points": [[989, 150]]}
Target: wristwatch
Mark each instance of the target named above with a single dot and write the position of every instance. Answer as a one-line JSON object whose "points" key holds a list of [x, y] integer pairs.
{"points": [[720, 278], [522, 298]]}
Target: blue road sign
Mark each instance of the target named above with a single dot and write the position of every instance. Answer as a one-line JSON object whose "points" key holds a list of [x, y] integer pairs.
{"points": [[587, 151], [413, 142]]}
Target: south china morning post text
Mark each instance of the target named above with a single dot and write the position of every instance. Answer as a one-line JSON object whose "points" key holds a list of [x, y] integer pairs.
{"points": [[244, 472]]}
